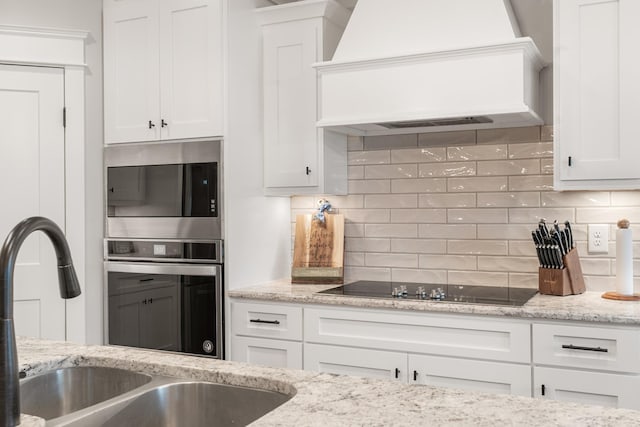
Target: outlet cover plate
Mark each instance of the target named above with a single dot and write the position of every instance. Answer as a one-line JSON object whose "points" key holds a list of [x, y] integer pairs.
{"points": [[598, 238]]}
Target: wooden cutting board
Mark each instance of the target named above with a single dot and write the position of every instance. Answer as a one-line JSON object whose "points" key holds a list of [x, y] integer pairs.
{"points": [[318, 250]]}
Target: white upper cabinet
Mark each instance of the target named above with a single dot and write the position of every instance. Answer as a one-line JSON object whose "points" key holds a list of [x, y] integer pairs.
{"points": [[163, 69], [596, 94], [299, 158]]}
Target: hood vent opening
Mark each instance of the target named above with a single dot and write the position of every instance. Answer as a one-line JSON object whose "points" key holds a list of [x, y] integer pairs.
{"points": [[451, 121]]}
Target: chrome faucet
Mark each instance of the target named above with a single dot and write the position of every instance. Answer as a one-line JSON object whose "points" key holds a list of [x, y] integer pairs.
{"points": [[69, 288]]}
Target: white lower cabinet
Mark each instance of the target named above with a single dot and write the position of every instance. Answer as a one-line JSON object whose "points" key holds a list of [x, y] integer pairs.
{"points": [[355, 361], [266, 334], [588, 387], [478, 375], [267, 352], [569, 361], [420, 348], [586, 364]]}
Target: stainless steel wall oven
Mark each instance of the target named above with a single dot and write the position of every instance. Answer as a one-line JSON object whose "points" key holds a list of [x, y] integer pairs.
{"points": [[164, 247]]}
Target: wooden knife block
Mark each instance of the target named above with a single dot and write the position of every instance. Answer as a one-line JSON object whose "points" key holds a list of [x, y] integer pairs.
{"points": [[566, 281]]}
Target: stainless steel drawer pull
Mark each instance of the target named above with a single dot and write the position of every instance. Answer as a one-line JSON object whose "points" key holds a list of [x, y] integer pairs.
{"points": [[272, 322], [579, 347]]}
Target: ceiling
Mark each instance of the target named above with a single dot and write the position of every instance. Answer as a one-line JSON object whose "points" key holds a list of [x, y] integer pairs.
{"points": [[535, 18]]}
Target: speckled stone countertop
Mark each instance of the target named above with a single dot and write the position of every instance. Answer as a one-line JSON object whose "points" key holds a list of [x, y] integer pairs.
{"points": [[590, 306], [328, 400]]}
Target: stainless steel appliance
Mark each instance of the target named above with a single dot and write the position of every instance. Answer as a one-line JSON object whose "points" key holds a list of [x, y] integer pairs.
{"points": [[164, 190], [165, 295], [163, 247], [494, 295]]}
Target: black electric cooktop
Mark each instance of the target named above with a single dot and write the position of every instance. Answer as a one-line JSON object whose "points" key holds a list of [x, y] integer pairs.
{"points": [[436, 292]]}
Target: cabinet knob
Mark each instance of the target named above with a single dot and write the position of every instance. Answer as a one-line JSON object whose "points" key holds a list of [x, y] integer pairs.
{"points": [[151, 124], [415, 375], [308, 170], [397, 373], [163, 123]]}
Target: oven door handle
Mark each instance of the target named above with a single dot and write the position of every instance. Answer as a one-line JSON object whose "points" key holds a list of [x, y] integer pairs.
{"points": [[163, 268]]}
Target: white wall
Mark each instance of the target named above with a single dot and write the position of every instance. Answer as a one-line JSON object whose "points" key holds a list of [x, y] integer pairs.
{"points": [[257, 240], [79, 15]]}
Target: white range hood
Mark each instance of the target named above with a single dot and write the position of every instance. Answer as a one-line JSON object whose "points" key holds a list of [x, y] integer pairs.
{"points": [[408, 66]]}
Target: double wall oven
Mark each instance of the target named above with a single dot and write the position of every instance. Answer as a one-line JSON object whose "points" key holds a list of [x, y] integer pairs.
{"points": [[164, 246]]}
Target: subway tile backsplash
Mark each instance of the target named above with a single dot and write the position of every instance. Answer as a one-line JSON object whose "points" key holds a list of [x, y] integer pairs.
{"points": [[459, 207]]}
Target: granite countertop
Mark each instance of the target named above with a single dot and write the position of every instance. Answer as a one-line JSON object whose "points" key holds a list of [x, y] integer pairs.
{"points": [[590, 306], [325, 399]]}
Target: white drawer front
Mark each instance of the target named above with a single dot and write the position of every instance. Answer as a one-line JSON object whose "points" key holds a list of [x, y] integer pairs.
{"points": [[265, 352], [355, 361], [266, 321], [587, 347], [421, 333], [591, 388], [478, 375]]}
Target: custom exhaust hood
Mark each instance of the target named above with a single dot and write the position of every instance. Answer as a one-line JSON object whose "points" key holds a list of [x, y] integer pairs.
{"points": [[408, 66]]}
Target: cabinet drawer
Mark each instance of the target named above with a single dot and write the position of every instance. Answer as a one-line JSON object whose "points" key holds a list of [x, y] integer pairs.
{"points": [[478, 375], [355, 361], [591, 388], [266, 352], [608, 349], [266, 321], [469, 337]]}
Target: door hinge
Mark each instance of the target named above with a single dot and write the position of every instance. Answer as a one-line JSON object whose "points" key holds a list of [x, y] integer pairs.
{"points": [[64, 117]]}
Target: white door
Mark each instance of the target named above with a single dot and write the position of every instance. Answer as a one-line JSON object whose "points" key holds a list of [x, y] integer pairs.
{"points": [[32, 177], [359, 362], [191, 66], [291, 153], [466, 374], [131, 85]]}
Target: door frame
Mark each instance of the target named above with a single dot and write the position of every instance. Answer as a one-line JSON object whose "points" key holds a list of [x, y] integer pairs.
{"points": [[48, 47]]}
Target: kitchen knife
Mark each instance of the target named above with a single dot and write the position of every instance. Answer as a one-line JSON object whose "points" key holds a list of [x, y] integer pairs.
{"points": [[556, 235], [542, 226], [546, 256], [539, 252], [567, 227], [534, 235], [557, 255]]}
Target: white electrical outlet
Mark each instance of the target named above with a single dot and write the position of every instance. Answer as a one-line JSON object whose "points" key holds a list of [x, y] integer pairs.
{"points": [[598, 238]]}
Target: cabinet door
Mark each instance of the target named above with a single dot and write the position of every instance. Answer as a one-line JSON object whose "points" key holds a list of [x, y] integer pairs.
{"points": [[355, 361], [596, 93], [126, 185], [592, 388], [291, 136], [124, 319], [586, 347], [492, 377], [266, 320], [159, 319], [131, 94], [191, 68], [147, 319], [266, 352]]}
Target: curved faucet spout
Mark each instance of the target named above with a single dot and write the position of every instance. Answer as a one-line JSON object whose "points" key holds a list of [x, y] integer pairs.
{"points": [[69, 288]]}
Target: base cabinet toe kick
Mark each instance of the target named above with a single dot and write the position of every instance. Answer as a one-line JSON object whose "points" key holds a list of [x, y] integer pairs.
{"points": [[561, 360]]}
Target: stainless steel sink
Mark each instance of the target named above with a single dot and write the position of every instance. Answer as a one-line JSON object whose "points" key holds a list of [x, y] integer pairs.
{"points": [[97, 396], [60, 392], [196, 404]]}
